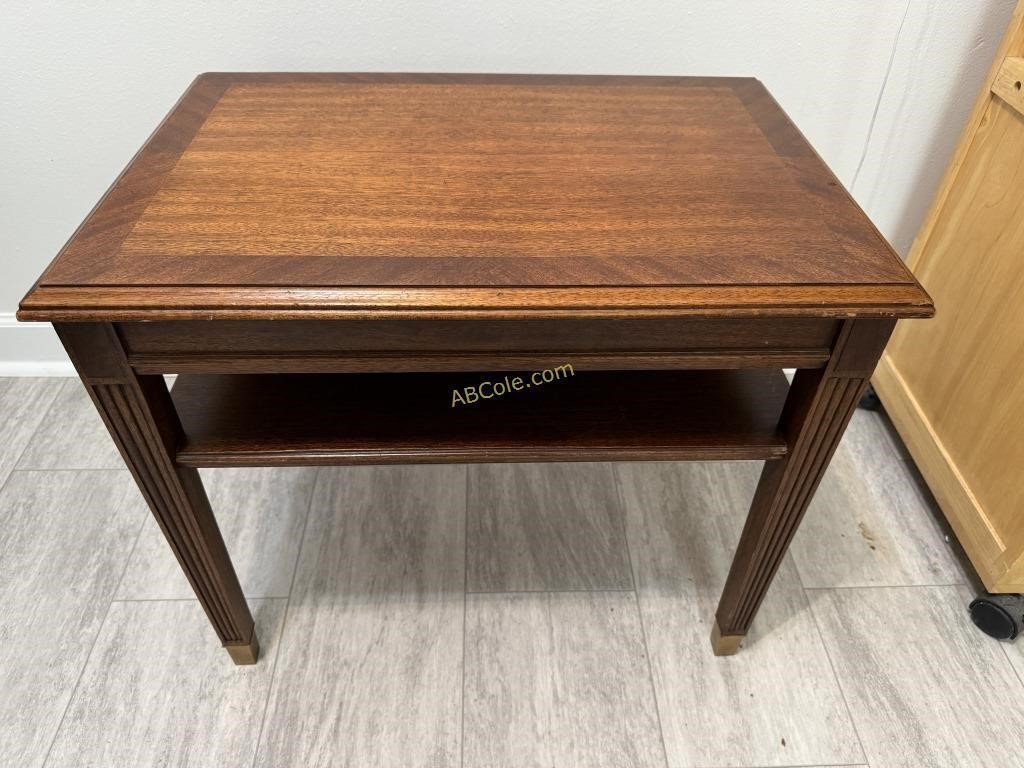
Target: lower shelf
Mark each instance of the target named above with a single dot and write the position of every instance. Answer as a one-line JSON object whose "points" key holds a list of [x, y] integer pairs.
{"points": [[302, 419]]}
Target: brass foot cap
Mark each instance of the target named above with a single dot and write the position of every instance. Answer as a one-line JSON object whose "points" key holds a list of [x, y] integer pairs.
{"points": [[246, 653], [724, 645]]}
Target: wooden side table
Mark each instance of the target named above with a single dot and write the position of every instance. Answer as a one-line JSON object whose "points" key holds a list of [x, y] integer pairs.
{"points": [[323, 258]]}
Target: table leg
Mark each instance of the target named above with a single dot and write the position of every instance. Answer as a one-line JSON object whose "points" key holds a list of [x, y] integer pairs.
{"points": [[817, 410], [140, 416]]}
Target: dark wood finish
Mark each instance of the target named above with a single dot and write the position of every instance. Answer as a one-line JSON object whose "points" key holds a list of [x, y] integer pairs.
{"points": [[141, 419], [407, 336], [407, 418], [124, 303], [483, 194], [474, 345], [277, 226], [817, 411], [479, 362], [446, 184]]}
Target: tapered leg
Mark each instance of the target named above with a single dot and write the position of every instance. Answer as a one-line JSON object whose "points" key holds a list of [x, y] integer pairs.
{"points": [[141, 418], [819, 406]]}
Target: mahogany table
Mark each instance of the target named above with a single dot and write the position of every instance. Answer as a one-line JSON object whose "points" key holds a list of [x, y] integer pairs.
{"points": [[323, 258]]}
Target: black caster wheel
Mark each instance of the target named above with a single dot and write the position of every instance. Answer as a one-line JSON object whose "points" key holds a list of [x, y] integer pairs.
{"points": [[870, 401], [998, 616]]}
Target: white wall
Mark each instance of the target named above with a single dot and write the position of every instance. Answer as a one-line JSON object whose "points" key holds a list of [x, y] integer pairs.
{"points": [[880, 87]]}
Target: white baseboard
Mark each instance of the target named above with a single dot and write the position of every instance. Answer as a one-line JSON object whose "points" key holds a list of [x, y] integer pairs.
{"points": [[31, 349]]}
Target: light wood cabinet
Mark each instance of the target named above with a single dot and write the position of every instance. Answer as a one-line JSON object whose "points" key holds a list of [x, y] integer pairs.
{"points": [[954, 386]]}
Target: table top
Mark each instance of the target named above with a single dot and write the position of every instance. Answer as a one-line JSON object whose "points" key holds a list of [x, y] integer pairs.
{"points": [[331, 195]]}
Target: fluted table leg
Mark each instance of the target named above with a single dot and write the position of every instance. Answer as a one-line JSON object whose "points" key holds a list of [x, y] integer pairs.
{"points": [[818, 408], [141, 418]]}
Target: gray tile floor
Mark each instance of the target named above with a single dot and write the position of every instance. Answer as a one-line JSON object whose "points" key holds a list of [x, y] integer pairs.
{"points": [[483, 616]]}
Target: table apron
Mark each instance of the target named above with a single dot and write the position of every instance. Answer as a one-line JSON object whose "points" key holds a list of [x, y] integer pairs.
{"points": [[292, 346]]}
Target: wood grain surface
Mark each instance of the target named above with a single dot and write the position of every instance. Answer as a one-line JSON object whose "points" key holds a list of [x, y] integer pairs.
{"points": [[556, 680], [544, 527], [445, 192], [330, 346], [135, 677], [955, 387], [65, 538], [682, 521], [879, 671], [371, 670], [259, 420]]}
